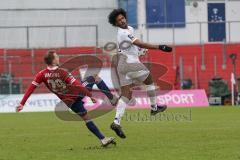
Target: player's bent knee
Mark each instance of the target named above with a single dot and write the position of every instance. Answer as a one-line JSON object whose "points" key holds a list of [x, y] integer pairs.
{"points": [[148, 80], [84, 116], [125, 99], [126, 96], [129, 101], [151, 87], [98, 79]]}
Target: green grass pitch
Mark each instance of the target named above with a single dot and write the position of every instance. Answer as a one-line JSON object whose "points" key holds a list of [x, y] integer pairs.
{"points": [[211, 133]]}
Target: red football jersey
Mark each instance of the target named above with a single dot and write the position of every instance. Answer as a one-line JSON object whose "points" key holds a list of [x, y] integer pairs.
{"points": [[60, 82], [55, 79]]}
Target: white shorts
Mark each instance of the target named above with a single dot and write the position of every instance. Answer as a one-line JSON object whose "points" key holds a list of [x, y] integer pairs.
{"points": [[129, 73]]}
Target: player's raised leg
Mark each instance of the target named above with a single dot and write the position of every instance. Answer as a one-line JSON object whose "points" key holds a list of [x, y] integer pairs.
{"points": [[91, 80], [104, 89]]}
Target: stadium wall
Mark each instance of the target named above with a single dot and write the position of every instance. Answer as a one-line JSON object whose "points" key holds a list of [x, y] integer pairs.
{"points": [[94, 12], [54, 13], [193, 33]]}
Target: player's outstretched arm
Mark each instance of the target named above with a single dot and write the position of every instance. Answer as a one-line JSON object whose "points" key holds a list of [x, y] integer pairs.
{"points": [[27, 94], [141, 44]]}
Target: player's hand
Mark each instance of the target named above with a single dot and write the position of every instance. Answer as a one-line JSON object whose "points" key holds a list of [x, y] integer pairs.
{"points": [[143, 52], [19, 108], [165, 48], [93, 100]]}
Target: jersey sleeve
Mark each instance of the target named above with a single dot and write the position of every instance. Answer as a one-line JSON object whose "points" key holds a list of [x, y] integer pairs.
{"points": [[67, 77], [38, 79], [35, 83], [70, 79], [28, 93]]}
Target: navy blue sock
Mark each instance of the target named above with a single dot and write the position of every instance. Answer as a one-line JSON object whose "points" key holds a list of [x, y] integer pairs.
{"points": [[93, 128], [104, 88]]}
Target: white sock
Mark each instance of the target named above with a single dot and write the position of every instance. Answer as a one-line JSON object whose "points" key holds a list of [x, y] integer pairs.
{"points": [[122, 104], [151, 92], [153, 101]]}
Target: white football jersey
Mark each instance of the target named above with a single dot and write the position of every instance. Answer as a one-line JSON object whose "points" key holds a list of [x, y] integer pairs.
{"points": [[125, 38]]}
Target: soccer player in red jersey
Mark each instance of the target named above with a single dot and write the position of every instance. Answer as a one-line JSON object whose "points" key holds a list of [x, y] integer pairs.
{"points": [[67, 88]]}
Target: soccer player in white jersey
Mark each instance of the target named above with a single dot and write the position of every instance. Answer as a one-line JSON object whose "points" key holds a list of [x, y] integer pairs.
{"points": [[130, 69]]}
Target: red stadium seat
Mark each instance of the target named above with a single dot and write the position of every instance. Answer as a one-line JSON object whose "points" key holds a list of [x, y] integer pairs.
{"points": [[1, 60]]}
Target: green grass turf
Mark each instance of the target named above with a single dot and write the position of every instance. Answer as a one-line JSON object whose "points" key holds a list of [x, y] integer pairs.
{"points": [[208, 134]]}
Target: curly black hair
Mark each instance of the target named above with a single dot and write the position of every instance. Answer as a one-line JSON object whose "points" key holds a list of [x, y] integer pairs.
{"points": [[113, 15]]}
